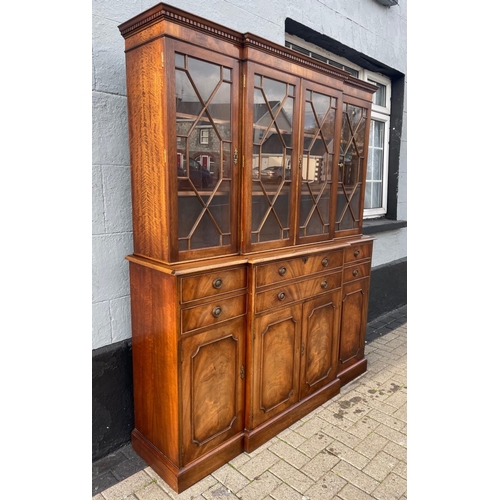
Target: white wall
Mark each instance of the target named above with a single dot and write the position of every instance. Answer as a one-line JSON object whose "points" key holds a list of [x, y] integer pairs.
{"points": [[364, 25]]}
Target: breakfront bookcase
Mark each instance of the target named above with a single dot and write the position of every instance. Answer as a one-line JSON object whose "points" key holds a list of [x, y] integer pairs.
{"points": [[250, 275]]}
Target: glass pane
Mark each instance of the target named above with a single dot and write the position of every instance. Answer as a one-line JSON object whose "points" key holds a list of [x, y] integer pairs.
{"points": [[379, 97], [368, 195], [275, 91], [350, 167], [377, 195], [179, 60], [271, 164], [318, 130], [204, 148], [206, 76], [219, 110]]}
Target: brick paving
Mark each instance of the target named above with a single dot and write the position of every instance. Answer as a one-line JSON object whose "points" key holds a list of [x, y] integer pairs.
{"points": [[353, 447]]}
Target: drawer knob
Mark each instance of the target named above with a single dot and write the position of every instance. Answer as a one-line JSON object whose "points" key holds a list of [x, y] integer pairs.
{"points": [[324, 284], [282, 271], [356, 253], [355, 272], [216, 311], [281, 296], [305, 259], [324, 262], [217, 283]]}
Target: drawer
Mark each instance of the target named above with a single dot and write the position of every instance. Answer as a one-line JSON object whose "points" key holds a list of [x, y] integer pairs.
{"points": [[210, 314], [356, 272], [286, 294], [277, 271], [358, 251], [212, 284]]}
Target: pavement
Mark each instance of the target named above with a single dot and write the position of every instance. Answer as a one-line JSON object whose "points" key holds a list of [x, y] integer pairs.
{"points": [[353, 447]]}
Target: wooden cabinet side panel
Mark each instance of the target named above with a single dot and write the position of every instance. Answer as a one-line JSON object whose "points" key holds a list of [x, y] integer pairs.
{"points": [[155, 358], [145, 100]]}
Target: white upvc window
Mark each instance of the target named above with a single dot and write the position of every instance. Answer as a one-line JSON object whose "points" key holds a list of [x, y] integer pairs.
{"points": [[378, 149], [204, 135]]}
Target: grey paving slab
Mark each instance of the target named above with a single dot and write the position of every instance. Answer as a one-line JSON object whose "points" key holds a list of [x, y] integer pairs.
{"points": [[353, 447]]}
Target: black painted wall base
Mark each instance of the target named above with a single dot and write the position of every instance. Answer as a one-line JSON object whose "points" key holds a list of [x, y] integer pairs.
{"points": [[387, 288], [112, 403]]}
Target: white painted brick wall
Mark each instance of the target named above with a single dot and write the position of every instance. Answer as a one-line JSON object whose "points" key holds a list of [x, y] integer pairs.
{"points": [[364, 25]]}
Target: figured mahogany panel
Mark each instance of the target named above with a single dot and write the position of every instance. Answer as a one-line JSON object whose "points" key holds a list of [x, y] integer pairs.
{"points": [[212, 388], [155, 358], [353, 327], [358, 251], [212, 313], [145, 94], [297, 291], [282, 270], [276, 365], [210, 284], [357, 271], [320, 337]]}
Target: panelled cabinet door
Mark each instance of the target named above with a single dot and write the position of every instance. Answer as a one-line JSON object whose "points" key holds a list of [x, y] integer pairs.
{"points": [[276, 353], [352, 166], [353, 323], [320, 341], [212, 372], [203, 96], [321, 121], [272, 124]]}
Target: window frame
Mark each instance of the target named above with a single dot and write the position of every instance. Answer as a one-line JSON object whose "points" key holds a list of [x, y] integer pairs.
{"points": [[202, 137], [380, 113]]}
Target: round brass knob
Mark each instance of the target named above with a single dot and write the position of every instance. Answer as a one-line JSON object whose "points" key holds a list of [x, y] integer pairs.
{"points": [[356, 253], [216, 311], [282, 271], [324, 262], [355, 272], [281, 296], [217, 283], [324, 284]]}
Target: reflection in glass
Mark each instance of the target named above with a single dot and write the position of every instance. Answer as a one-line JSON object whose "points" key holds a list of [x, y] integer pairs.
{"points": [[317, 162], [204, 145], [272, 154], [350, 171]]}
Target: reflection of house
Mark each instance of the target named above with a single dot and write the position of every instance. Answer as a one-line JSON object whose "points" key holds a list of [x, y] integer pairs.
{"points": [[200, 137], [276, 145], [271, 151]]}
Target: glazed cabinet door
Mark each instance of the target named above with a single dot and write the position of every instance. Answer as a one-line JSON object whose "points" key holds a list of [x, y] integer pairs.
{"points": [[320, 342], [212, 378], [353, 322], [352, 166], [276, 353], [272, 124], [320, 130], [203, 96]]}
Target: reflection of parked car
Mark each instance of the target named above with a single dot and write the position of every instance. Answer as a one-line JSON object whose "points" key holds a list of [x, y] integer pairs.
{"points": [[198, 174], [274, 174], [255, 173]]}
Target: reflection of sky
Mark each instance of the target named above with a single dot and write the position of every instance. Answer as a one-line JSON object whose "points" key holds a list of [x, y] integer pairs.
{"points": [[206, 77]]}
